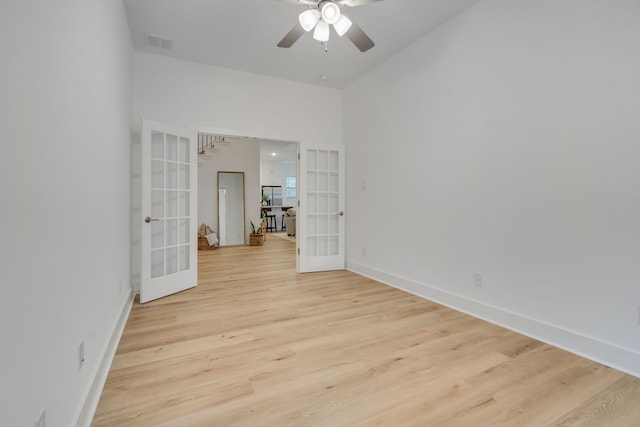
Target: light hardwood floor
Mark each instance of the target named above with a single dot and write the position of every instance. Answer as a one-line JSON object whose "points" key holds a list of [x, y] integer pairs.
{"points": [[256, 344]]}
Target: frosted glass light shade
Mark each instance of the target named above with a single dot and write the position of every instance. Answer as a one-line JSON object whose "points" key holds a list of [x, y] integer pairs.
{"points": [[343, 25], [330, 12], [321, 32], [309, 18]]}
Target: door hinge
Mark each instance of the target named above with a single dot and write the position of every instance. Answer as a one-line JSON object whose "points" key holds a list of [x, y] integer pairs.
{"points": [[298, 156], [298, 203], [298, 251]]}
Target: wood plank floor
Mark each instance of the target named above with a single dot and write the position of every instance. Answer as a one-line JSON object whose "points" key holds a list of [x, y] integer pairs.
{"points": [[256, 344]]}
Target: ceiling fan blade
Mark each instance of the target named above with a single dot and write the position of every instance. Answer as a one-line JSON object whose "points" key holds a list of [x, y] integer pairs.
{"points": [[359, 38], [292, 36], [354, 3], [307, 2]]}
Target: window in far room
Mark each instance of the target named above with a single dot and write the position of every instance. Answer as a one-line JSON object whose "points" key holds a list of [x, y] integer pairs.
{"points": [[290, 186]]}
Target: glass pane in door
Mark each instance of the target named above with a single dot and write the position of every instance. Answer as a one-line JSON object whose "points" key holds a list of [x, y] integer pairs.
{"points": [[172, 260], [172, 147], [169, 172], [172, 232], [184, 203], [157, 263], [322, 202], [172, 204], [183, 258], [157, 234]]}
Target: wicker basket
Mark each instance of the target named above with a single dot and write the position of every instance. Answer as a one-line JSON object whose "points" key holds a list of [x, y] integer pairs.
{"points": [[256, 239], [203, 244]]}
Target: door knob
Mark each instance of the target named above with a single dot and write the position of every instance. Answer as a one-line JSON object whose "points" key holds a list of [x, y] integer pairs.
{"points": [[149, 219], [340, 213]]}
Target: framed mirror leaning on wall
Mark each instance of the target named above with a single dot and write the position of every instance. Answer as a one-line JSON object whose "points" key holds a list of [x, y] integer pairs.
{"points": [[231, 222]]}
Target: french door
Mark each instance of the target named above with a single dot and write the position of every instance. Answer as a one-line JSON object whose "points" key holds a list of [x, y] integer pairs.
{"points": [[169, 204], [321, 234]]}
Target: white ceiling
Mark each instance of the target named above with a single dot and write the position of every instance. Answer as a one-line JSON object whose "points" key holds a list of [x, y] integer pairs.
{"points": [[284, 151], [242, 34]]}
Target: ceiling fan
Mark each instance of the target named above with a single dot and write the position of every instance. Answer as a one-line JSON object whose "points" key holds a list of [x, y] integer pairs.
{"points": [[321, 15]]}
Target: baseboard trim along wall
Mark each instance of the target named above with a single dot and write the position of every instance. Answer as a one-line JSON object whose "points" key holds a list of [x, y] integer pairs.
{"points": [[608, 354], [90, 404]]}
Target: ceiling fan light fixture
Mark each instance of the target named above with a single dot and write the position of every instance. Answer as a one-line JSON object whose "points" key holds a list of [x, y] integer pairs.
{"points": [[330, 12], [309, 18], [343, 25], [321, 33], [320, 16]]}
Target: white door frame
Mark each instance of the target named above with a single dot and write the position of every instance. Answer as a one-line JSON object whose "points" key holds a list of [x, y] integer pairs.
{"points": [[300, 222]]}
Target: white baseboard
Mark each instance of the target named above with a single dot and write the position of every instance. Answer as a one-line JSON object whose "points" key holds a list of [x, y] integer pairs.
{"points": [[88, 409], [608, 354]]}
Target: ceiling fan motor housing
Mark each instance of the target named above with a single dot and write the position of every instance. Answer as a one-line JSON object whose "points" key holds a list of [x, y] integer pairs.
{"points": [[330, 11]]}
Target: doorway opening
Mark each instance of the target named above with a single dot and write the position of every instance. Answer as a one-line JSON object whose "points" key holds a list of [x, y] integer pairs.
{"points": [[270, 171]]}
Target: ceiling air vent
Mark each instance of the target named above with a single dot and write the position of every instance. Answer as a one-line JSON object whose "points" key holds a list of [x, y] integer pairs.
{"points": [[158, 42]]}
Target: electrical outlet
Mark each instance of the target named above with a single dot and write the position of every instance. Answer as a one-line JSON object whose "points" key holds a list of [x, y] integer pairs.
{"points": [[81, 357], [477, 280], [364, 186], [364, 251], [41, 421]]}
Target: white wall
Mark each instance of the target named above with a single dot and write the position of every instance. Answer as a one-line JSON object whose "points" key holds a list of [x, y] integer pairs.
{"points": [[218, 100], [239, 156], [64, 184], [507, 143], [213, 98]]}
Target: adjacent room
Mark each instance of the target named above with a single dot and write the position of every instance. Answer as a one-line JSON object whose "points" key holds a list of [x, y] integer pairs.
{"points": [[452, 196]]}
